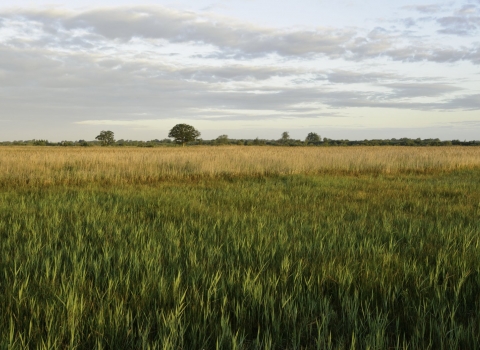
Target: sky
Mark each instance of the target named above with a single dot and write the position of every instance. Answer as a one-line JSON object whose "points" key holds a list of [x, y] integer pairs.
{"points": [[344, 69]]}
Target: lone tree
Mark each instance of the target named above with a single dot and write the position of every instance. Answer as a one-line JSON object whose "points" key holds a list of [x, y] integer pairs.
{"points": [[106, 138], [183, 133], [312, 137], [285, 136]]}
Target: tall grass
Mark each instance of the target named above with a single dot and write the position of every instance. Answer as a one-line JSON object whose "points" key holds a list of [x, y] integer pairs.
{"points": [[356, 260], [47, 165]]}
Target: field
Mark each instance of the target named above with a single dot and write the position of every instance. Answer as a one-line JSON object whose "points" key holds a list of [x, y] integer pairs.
{"points": [[240, 248]]}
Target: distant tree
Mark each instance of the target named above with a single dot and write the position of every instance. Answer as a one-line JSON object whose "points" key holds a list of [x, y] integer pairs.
{"points": [[258, 142], [183, 133], [222, 140], [106, 138], [40, 142], [312, 137], [285, 137]]}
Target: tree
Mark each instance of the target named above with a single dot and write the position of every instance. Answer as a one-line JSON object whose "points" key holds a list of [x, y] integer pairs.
{"points": [[106, 138], [183, 133], [222, 140], [312, 137], [285, 137]]}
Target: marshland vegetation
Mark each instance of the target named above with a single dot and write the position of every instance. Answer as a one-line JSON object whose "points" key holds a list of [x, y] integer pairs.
{"points": [[240, 248]]}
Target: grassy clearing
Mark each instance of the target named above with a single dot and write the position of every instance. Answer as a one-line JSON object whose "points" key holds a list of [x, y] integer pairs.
{"points": [[342, 258]]}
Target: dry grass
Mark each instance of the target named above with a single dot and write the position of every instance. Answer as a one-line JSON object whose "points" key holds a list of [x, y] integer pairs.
{"points": [[55, 165]]}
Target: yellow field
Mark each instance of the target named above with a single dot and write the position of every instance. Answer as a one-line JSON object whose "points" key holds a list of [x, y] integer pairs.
{"points": [[76, 165]]}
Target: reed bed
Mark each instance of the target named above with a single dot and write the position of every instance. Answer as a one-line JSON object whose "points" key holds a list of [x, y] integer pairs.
{"points": [[269, 248], [47, 165]]}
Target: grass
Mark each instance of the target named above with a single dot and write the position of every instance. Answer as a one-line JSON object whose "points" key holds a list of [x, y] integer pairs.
{"points": [[45, 166], [237, 248]]}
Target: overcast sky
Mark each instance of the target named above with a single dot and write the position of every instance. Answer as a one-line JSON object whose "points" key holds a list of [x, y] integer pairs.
{"points": [[346, 69]]}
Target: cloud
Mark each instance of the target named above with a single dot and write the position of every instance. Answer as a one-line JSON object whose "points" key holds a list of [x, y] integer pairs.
{"points": [[352, 77], [237, 72], [425, 9], [468, 9], [186, 27], [467, 102], [452, 20], [466, 123], [459, 25], [224, 38], [141, 66], [409, 90], [464, 21]]}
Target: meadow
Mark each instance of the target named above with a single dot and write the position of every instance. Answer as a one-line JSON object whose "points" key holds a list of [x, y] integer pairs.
{"points": [[240, 248]]}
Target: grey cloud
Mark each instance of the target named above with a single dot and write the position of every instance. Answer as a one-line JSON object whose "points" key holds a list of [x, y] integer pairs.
{"points": [[350, 77], [467, 9], [459, 25], [50, 80], [466, 123], [409, 22], [381, 43], [44, 68], [79, 86], [127, 81], [468, 102], [462, 22], [237, 73], [344, 99], [416, 53], [407, 90], [224, 116], [14, 61], [432, 8], [102, 28], [179, 99], [474, 57], [285, 100], [83, 89], [177, 26]]}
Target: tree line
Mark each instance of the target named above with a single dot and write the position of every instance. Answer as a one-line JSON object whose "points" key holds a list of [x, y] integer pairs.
{"points": [[184, 134]]}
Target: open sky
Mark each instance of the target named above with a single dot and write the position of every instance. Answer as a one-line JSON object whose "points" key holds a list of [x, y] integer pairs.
{"points": [[345, 69]]}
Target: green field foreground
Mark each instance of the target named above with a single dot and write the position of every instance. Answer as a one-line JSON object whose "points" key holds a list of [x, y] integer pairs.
{"points": [[315, 261]]}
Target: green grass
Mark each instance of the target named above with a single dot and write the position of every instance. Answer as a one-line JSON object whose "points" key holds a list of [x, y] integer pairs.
{"points": [[281, 262]]}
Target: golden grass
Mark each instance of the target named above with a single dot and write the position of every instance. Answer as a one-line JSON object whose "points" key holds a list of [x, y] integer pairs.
{"points": [[75, 165]]}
